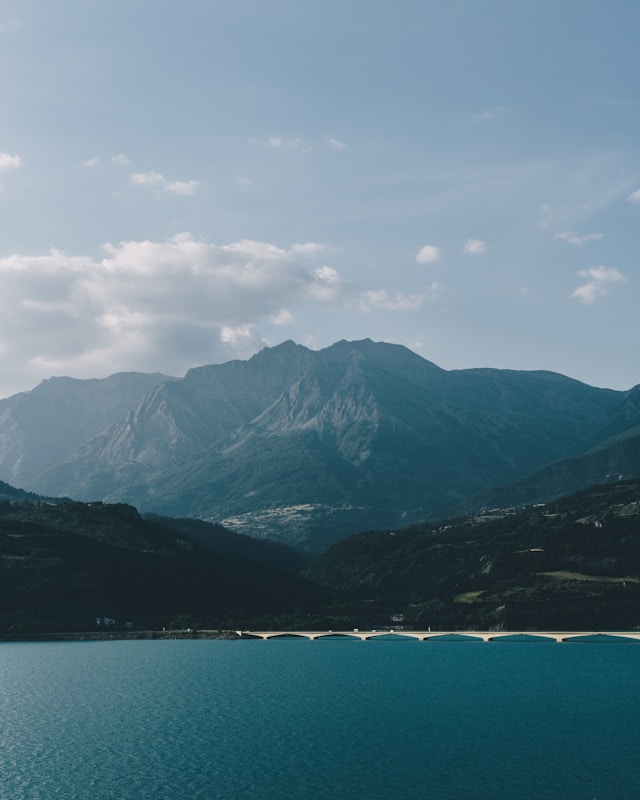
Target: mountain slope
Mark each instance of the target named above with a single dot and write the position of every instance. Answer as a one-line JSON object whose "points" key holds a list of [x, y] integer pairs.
{"points": [[42, 427], [615, 459], [309, 446]]}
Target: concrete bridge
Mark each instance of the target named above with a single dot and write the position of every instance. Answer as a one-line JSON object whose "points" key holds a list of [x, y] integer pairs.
{"points": [[434, 636]]}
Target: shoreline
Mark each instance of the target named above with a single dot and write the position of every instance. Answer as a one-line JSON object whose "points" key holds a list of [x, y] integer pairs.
{"points": [[238, 635], [113, 636]]}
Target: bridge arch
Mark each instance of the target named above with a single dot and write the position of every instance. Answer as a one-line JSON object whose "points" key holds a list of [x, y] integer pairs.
{"points": [[451, 636]]}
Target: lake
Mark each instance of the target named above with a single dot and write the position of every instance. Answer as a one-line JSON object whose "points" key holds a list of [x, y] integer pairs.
{"points": [[262, 720]]}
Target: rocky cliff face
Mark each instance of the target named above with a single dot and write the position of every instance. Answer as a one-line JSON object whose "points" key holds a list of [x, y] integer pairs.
{"points": [[310, 446]]}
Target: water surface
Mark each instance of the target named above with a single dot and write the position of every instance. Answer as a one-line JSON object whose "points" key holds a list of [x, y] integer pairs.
{"points": [[196, 720]]}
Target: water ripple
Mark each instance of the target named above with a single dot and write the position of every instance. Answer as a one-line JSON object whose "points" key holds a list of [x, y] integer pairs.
{"points": [[287, 719]]}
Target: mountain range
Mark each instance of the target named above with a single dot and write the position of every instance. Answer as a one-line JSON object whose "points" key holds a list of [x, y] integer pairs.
{"points": [[308, 447]]}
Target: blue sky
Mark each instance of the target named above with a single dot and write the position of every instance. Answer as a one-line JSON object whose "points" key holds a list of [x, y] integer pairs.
{"points": [[185, 183]]}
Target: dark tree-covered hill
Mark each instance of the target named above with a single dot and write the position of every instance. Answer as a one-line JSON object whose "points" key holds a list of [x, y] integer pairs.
{"points": [[571, 564], [64, 566]]}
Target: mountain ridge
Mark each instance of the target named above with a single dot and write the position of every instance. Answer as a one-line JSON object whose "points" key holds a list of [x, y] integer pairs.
{"points": [[309, 446]]}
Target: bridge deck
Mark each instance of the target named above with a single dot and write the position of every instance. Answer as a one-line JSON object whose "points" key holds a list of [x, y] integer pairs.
{"points": [[423, 636]]}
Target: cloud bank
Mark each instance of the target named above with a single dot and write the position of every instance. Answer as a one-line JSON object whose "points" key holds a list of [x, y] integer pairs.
{"points": [[151, 305], [165, 305]]}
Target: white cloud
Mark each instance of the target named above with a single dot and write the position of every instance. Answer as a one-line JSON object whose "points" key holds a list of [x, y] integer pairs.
{"points": [[149, 305], [147, 178], [327, 275], [120, 159], [336, 144], [242, 334], [185, 188], [327, 285], [576, 239], [474, 247], [7, 161], [156, 179], [597, 280], [382, 300], [634, 197], [428, 254], [587, 292], [283, 317], [296, 144], [602, 274]]}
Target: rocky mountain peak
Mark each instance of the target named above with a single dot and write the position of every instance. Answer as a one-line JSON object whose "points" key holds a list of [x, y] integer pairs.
{"points": [[311, 445]]}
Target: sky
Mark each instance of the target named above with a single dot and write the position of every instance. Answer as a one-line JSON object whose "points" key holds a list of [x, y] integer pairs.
{"points": [[187, 183]]}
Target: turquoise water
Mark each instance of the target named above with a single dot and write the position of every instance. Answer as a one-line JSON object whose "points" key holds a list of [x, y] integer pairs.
{"points": [[191, 720]]}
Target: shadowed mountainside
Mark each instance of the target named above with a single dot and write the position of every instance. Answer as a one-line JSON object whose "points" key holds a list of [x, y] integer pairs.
{"points": [[616, 459]]}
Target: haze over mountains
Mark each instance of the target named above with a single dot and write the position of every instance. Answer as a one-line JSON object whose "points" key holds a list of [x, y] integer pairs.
{"points": [[310, 446], [46, 425]]}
